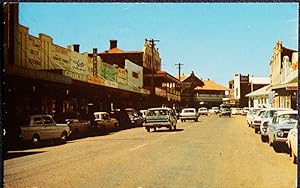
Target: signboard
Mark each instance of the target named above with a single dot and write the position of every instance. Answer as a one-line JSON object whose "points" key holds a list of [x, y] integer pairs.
{"points": [[291, 88], [75, 76]]}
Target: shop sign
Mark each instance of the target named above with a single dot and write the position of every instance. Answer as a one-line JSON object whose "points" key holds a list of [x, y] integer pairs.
{"points": [[244, 79], [291, 88], [75, 76], [109, 83], [95, 80]]}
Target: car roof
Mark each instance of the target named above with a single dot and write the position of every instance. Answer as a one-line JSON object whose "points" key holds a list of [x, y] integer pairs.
{"points": [[286, 112], [289, 109], [100, 113], [160, 108]]}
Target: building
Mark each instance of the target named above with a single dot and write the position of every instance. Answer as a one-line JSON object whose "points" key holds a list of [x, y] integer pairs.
{"points": [[244, 84], [261, 98], [284, 76], [201, 93], [164, 87], [211, 94]]}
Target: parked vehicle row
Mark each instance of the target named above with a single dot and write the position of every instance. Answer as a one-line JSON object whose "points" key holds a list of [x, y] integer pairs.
{"points": [[277, 127]]}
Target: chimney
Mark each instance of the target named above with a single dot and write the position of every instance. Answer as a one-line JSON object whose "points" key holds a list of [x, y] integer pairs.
{"points": [[113, 44], [76, 47]]}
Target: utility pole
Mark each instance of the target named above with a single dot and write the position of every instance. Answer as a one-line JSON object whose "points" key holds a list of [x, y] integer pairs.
{"points": [[151, 42], [179, 68]]}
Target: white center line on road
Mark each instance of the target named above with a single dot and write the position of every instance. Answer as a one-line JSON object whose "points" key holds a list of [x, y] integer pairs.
{"points": [[137, 147]]}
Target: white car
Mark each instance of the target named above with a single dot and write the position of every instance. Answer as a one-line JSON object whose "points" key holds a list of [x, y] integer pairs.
{"points": [[257, 120], [202, 111], [251, 113], [188, 114], [292, 142], [266, 120]]}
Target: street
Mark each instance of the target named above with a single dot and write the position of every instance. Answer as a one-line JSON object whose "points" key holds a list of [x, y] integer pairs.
{"points": [[214, 152]]}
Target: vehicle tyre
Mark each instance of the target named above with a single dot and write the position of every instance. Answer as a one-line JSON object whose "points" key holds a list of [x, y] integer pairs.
{"points": [[263, 138], [148, 129], [255, 130], [36, 140], [175, 127], [196, 120], [181, 120], [170, 127], [290, 149], [294, 158], [63, 137], [154, 129]]}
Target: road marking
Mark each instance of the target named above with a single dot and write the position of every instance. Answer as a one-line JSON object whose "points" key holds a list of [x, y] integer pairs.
{"points": [[137, 147]]}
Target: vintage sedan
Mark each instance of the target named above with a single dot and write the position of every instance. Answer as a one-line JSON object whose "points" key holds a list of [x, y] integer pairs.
{"points": [[43, 127], [266, 121], [77, 124], [282, 123], [160, 117], [135, 117], [257, 120], [292, 142], [203, 111], [104, 122], [251, 113], [189, 114]]}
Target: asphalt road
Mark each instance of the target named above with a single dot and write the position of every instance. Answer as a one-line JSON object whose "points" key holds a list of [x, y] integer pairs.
{"points": [[214, 152]]}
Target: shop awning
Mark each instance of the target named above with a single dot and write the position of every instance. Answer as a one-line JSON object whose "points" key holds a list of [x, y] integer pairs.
{"points": [[287, 86], [36, 74], [259, 92]]}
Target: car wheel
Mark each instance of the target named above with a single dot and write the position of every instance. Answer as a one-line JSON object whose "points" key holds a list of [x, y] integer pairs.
{"points": [[63, 137], [148, 129], [36, 140], [170, 127], [181, 120], [154, 129], [255, 130], [175, 127], [294, 158], [263, 138]]}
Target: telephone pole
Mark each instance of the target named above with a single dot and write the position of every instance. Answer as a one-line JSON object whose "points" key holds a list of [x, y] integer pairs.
{"points": [[179, 67], [152, 44]]}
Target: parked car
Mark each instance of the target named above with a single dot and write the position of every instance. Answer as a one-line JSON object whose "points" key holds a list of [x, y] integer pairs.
{"points": [[215, 110], [235, 111], [203, 111], [104, 122], [135, 117], [251, 113], [143, 112], [266, 119], [292, 142], [43, 127], [78, 126], [257, 120], [160, 117], [189, 114], [282, 123], [245, 110], [225, 110]]}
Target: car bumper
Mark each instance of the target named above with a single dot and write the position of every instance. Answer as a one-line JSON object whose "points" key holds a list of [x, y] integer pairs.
{"points": [[188, 117], [280, 140], [160, 124]]}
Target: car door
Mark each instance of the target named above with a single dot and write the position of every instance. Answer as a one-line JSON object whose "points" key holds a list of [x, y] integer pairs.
{"points": [[51, 131]]}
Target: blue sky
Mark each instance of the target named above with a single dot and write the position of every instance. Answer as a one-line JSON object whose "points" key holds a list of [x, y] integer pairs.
{"points": [[215, 40]]}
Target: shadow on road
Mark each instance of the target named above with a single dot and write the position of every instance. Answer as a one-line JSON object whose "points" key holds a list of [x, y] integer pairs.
{"points": [[167, 130], [281, 148], [15, 154]]}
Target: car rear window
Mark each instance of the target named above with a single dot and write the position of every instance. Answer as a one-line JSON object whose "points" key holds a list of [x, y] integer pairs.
{"points": [[157, 112]]}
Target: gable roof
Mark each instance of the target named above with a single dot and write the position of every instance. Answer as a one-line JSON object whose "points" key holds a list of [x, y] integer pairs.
{"points": [[211, 85]]}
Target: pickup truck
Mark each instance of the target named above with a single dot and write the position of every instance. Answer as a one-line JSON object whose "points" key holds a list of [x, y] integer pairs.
{"points": [[43, 127]]}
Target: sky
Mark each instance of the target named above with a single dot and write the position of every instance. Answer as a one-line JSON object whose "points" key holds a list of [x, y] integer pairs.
{"points": [[215, 40]]}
